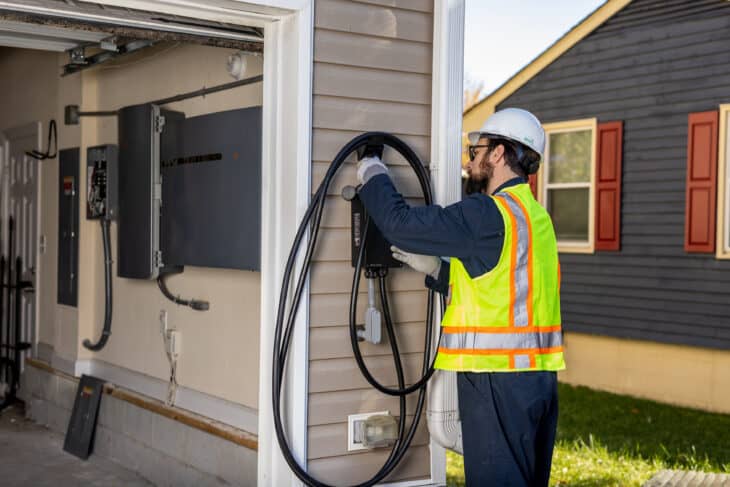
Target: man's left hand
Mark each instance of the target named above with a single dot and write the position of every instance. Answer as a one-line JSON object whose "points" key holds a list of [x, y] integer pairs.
{"points": [[369, 167]]}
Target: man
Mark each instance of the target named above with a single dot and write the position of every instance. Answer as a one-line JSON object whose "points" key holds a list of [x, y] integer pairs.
{"points": [[501, 328]]}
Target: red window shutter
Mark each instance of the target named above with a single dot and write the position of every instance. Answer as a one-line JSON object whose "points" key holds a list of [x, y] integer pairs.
{"points": [[609, 150], [532, 179], [701, 195]]}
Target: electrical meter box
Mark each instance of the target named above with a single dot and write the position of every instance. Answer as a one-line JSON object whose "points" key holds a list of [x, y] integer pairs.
{"points": [[144, 131], [101, 182]]}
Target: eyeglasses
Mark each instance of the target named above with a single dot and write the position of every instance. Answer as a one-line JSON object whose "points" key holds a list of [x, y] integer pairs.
{"points": [[473, 150]]}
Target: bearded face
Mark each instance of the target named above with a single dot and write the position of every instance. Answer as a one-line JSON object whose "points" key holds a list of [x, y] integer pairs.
{"points": [[479, 170], [472, 186]]}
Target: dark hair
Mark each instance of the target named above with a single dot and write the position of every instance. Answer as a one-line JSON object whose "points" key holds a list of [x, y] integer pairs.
{"points": [[520, 158]]}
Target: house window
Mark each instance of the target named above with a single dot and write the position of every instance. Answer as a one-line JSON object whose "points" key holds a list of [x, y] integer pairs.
{"points": [[723, 186], [568, 180]]}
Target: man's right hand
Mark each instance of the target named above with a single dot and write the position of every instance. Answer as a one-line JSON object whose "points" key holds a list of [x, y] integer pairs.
{"points": [[427, 264]]}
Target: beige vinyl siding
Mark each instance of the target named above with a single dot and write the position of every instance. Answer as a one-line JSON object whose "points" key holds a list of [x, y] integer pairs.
{"points": [[417, 5], [334, 469], [372, 71], [324, 440], [333, 407], [326, 309]]}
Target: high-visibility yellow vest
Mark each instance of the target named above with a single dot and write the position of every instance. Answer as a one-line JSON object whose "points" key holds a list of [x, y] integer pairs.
{"points": [[509, 318]]}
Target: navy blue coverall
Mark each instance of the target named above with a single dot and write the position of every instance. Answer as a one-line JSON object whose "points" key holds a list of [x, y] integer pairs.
{"points": [[508, 419]]}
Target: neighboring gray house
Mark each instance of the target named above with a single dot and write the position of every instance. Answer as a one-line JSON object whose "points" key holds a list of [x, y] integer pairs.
{"points": [[331, 70], [635, 100]]}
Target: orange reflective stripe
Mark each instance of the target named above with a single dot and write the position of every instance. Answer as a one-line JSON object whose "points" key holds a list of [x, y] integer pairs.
{"points": [[501, 329], [513, 257], [482, 351], [559, 277], [530, 262]]}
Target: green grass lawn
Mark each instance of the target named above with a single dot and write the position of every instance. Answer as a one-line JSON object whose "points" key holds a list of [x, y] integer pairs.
{"points": [[610, 440]]}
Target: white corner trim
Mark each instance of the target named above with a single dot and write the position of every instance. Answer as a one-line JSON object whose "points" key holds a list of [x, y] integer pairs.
{"points": [[227, 412], [298, 371], [446, 127], [286, 176]]}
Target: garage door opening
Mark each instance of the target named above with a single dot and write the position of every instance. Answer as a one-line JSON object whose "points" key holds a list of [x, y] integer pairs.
{"points": [[96, 73], [92, 80], [202, 64]]}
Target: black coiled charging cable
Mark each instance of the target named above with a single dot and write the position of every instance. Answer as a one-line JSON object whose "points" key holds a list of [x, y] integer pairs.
{"points": [[285, 317]]}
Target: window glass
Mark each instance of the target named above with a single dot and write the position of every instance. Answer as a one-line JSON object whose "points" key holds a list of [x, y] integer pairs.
{"points": [[568, 178], [569, 212], [570, 157]]}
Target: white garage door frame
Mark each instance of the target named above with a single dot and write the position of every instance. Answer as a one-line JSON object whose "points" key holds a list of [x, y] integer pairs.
{"points": [[286, 172]]}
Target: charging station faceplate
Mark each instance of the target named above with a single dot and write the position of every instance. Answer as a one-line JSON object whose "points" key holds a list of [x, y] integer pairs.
{"points": [[377, 249]]}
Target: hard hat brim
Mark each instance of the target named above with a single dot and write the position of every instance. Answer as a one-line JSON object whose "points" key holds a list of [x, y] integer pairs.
{"points": [[474, 137]]}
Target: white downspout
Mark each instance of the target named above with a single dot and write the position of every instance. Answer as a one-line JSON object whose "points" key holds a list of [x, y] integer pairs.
{"points": [[447, 107]]}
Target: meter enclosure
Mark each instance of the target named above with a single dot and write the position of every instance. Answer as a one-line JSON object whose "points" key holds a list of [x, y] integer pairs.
{"points": [[101, 182]]}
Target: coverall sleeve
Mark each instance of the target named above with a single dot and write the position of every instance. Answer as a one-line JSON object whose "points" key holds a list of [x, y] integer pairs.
{"points": [[428, 230], [441, 283]]}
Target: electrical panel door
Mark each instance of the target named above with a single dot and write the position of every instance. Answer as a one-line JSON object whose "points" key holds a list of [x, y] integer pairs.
{"points": [[68, 226], [211, 192], [143, 131]]}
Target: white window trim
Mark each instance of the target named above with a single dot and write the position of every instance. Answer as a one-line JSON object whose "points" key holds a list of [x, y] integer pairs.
{"points": [[722, 246], [570, 126]]}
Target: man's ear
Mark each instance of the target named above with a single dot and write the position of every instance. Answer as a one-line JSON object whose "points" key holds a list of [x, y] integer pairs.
{"points": [[497, 154]]}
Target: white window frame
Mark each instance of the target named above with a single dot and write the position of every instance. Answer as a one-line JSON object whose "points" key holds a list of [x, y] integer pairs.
{"points": [[572, 246], [722, 246]]}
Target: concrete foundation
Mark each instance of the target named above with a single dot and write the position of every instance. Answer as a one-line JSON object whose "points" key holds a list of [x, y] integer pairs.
{"points": [[162, 450]]}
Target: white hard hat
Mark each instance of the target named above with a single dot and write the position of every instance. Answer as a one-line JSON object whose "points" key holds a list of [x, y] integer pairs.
{"points": [[514, 124]]}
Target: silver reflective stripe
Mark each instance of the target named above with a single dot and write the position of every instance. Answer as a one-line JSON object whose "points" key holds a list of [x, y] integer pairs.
{"points": [[521, 274], [522, 361], [501, 341]]}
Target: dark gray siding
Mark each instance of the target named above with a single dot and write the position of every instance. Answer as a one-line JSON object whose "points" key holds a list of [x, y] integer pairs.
{"points": [[650, 65]]}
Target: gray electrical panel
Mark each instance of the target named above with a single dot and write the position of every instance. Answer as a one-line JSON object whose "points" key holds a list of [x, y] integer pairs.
{"points": [[144, 131], [102, 182], [68, 226], [211, 192]]}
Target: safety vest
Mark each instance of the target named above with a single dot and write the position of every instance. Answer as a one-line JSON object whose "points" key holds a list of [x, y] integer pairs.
{"points": [[509, 318]]}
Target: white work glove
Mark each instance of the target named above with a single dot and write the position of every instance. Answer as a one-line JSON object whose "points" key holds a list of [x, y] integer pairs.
{"points": [[369, 167], [427, 264]]}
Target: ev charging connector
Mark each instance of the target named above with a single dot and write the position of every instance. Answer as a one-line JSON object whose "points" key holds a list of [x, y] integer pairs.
{"points": [[377, 260]]}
